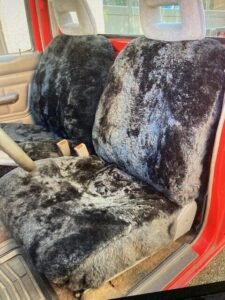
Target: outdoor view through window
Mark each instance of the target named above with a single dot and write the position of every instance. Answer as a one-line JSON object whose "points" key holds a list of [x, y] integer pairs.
{"points": [[122, 16]]}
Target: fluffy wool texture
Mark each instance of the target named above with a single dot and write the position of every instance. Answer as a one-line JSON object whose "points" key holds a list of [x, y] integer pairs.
{"points": [[82, 221], [158, 114], [68, 83], [35, 140], [65, 92]]}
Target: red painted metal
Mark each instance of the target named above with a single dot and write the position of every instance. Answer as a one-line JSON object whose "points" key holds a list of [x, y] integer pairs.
{"points": [[119, 44], [212, 237], [35, 25], [44, 20]]}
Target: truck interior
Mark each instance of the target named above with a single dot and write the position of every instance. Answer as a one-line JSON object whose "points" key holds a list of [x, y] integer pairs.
{"points": [[112, 149]]}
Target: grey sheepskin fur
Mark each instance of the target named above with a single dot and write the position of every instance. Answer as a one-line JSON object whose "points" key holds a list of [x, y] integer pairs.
{"points": [[68, 83], [35, 140], [64, 95], [82, 221], [157, 117]]}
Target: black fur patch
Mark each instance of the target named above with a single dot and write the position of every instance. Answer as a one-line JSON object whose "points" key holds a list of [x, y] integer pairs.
{"points": [[68, 83]]}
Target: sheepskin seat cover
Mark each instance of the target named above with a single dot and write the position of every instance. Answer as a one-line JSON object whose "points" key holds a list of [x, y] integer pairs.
{"points": [[68, 83], [65, 92], [82, 221], [157, 117]]}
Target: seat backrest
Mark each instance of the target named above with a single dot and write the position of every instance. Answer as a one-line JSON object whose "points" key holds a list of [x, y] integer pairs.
{"points": [[68, 83], [158, 114]]}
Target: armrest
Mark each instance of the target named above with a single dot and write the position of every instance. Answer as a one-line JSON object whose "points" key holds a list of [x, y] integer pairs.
{"points": [[9, 98]]}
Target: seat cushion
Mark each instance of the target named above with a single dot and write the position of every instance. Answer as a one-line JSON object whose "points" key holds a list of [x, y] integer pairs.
{"points": [[68, 83], [82, 221], [35, 140], [158, 114]]}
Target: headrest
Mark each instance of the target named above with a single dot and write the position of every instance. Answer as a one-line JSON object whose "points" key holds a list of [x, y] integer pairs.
{"points": [[74, 17], [191, 27]]}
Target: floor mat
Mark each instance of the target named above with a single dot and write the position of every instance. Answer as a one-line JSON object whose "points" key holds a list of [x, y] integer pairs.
{"points": [[17, 279]]}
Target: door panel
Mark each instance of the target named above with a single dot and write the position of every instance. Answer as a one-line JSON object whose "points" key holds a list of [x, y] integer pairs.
{"points": [[15, 77]]}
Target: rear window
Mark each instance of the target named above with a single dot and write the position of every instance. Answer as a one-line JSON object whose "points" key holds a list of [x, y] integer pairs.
{"points": [[121, 17]]}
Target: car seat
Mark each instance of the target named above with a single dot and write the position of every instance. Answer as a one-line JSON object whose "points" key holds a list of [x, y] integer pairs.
{"points": [[83, 220], [65, 91]]}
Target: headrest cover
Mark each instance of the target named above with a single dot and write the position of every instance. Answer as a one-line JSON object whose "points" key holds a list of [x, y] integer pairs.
{"points": [[74, 17], [192, 26]]}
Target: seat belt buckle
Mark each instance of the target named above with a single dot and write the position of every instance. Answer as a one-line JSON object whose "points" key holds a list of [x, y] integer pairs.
{"points": [[82, 150], [64, 147]]}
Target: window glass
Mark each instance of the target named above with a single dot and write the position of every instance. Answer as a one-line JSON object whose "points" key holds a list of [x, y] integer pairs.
{"points": [[170, 14], [122, 16], [215, 17], [14, 30]]}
